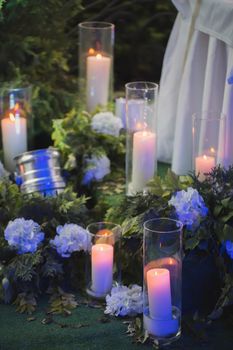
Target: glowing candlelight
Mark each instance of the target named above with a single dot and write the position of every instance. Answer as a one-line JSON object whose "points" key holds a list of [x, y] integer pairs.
{"points": [[102, 268], [144, 159], [14, 136], [98, 79], [203, 165], [159, 294]]}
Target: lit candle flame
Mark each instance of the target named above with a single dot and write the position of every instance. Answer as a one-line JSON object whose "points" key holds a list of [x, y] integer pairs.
{"points": [[212, 150], [98, 56], [91, 51], [12, 117], [16, 108], [205, 157]]}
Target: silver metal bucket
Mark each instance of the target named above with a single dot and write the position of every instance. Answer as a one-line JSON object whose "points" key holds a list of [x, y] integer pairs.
{"points": [[39, 171]]}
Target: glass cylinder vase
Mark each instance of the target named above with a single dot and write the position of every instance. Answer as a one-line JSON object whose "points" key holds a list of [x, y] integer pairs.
{"points": [[15, 112], [141, 155], [209, 139], [103, 261], [162, 266], [96, 43]]}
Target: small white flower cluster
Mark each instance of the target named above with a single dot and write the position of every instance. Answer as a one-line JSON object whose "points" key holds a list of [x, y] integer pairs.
{"points": [[96, 169], [71, 238], [124, 301], [23, 235], [106, 123], [190, 207]]}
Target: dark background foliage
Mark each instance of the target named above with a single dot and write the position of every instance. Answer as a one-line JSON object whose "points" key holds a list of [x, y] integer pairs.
{"points": [[39, 45]]}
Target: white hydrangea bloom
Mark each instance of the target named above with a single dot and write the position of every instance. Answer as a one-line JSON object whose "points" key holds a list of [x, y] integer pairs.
{"points": [[96, 169], [71, 238], [124, 301], [24, 235], [190, 207], [106, 123]]}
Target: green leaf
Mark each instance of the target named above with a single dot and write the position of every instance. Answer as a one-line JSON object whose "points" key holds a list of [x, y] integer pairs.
{"points": [[131, 226], [191, 243], [225, 202], [217, 210], [227, 217], [227, 232]]}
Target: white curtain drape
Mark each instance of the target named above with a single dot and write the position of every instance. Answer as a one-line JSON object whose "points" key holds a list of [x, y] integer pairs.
{"points": [[197, 64]]}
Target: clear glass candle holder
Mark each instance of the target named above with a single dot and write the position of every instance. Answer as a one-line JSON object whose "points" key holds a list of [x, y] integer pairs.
{"points": [[141, 155], [162, 267], [209, 139], [15, 110], [96, 43], [103, 269]]}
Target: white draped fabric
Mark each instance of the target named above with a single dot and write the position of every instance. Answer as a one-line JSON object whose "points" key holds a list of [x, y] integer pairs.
{"points": [[195, 77]]}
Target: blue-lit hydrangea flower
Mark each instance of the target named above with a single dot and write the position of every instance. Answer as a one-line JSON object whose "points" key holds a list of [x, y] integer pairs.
{"points": [[229, 248], [96, 169], [71, 238], [24, 235], [106, 123], [124, 301], [190, 207]]}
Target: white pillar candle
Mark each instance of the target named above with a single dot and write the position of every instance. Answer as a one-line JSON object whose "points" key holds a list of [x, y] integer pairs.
{"points": [[102, 268], [169, 263], [98, 79], [204, 164], [159, 294], [14, 139], [144, 159]]}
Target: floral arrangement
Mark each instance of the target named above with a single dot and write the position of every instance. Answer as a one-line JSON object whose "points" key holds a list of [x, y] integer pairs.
{"points": [[41, 239], [92, 147], [206, 210], [34, 246], [44, 239]]}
